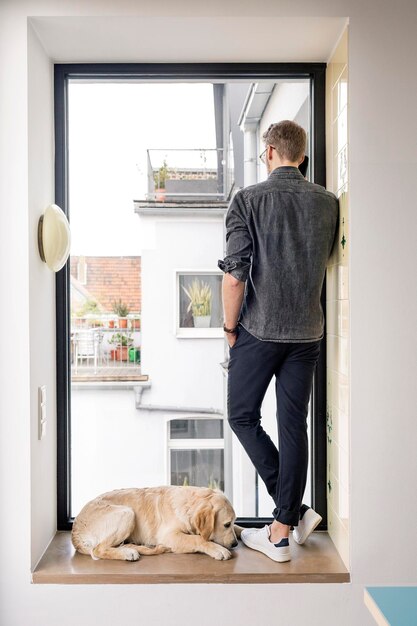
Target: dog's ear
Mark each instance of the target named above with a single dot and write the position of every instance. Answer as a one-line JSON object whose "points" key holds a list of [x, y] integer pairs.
{"points": [[203, 520]]}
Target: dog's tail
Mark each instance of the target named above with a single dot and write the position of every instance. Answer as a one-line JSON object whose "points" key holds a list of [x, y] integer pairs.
{"points": [[83, 543]]}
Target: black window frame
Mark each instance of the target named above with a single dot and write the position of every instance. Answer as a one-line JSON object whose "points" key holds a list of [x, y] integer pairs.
{"points": [[316, 72]]}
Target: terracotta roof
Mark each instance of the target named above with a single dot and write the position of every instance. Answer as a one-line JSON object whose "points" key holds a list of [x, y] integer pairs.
{"points": [[109, 278]]}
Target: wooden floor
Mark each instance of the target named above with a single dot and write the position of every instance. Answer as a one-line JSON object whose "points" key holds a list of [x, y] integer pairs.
{"points": [[315, 562]]}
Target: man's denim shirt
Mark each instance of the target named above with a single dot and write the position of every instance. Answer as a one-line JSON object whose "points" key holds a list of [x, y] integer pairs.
{"points": [[279, 236]]}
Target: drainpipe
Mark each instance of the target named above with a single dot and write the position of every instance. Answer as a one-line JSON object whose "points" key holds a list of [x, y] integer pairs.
{"points": [[250, 150], [176, 409], [169, 409], [249, 120]]}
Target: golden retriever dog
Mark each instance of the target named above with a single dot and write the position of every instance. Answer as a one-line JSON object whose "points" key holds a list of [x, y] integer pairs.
{"points": [[124, 523]]}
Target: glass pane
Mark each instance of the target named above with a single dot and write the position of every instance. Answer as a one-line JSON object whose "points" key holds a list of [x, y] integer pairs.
{"points": [[200, 468], [200, 299], [265, 505], [288, 100], [149, 186], [196, 429]]}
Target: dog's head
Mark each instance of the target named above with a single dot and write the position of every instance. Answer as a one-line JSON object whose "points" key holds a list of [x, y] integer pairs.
{"points": [[213, 519]]}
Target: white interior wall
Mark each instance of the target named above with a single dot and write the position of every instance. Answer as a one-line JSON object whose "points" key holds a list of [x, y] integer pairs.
{"points": [[337, 310], [15, 400], [136, 34], [42, 348], [383, 298], [383, 313]]}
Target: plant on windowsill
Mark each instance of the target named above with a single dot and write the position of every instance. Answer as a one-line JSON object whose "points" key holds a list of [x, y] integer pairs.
{"points": [[121, 310], [121, 342], [213, 483], [199, 294]]}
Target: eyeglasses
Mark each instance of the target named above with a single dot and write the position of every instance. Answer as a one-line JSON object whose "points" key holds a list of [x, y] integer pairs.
{"points": [[262, 155]]}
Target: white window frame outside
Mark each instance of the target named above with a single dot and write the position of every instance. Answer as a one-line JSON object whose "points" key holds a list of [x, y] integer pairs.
{"points": [[193, 333], [193, 444]]}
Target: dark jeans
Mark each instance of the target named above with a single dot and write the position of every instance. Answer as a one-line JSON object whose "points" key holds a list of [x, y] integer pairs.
{"points": [[252, 364]]}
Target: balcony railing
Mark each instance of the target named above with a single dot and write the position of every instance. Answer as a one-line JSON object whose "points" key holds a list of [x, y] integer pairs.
{"points": [[103, 349], [189, 174]]}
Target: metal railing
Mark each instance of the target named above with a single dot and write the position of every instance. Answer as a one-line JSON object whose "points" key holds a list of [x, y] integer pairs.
{"points": [[102, 349], [189, 174]]}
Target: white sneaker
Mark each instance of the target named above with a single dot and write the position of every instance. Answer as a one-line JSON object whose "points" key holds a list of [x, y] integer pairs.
{"points": [[309, 520], [258, 539]]}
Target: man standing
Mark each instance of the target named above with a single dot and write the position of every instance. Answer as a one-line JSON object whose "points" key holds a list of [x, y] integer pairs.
{"points": [[279, 236]]}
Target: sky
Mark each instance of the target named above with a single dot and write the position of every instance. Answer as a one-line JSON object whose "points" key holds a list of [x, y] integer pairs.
{"points": [[111, 125]]}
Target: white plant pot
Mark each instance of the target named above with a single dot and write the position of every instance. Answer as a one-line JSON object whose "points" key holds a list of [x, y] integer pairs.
{"points": [[201, 321]]}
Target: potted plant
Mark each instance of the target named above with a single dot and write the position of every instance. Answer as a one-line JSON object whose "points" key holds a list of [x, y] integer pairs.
{"points": [[135, 323], [159, 178], [121, 310], [199, 295], [122, 342]]}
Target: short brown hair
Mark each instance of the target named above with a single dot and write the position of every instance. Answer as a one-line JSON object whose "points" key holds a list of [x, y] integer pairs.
{"points": [[288, 138]]}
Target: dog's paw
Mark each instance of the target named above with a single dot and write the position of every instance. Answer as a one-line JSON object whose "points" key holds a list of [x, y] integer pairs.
{"points": [[130, 554], [220, 553], [160, 549]]}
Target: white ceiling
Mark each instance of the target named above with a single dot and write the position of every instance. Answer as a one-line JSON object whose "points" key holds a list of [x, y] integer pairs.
{"points": [[134, 39]]}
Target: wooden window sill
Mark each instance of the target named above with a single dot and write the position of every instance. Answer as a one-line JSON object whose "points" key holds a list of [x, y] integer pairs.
{"points": [[316, 562]]}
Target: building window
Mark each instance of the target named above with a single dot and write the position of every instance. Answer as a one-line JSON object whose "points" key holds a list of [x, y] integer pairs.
{"points": [[96, 371], [199, 298], [196, 452]]}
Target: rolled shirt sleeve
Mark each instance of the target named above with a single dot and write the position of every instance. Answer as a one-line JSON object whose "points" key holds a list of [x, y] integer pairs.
{"points": [[237, 261]]}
